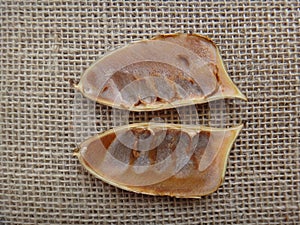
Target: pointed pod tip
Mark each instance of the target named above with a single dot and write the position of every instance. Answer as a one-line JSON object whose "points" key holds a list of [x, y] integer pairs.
{"points": [[239, 128], [74, 84], [242, 96], [76, 152]]}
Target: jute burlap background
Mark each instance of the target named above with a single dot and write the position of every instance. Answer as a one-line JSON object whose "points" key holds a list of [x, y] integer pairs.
{"points": [[44, 44]]}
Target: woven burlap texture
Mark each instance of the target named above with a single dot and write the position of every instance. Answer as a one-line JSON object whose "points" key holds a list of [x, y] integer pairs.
{"points": [[45, 44]]}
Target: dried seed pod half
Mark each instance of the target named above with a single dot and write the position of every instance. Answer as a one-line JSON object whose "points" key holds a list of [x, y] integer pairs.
{"points": [[160, 159], [165, 72]]}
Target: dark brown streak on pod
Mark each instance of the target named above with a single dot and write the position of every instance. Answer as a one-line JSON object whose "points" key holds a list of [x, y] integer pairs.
{"points": [[202, 140], [107, 140], [139, 102], [133, 157], [148, 100], [104, 89], [216, 73], [158, 99], [216, 89], [195, 161], [136, 153], [152, 156]]}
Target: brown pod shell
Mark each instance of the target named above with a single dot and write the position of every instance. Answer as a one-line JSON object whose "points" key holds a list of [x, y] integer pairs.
{"points": [[160, 159], [164, 72]]}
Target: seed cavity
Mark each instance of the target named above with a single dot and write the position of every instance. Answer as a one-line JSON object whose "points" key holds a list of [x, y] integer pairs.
{"points": [[184, 60]]}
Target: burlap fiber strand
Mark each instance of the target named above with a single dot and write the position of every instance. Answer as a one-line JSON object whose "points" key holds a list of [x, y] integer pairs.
{"points": [[44, 44]]}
